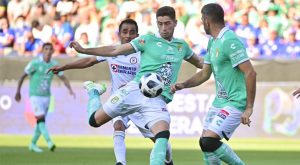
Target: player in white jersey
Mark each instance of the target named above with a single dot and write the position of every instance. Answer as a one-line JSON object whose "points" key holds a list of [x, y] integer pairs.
{"points": [[122, 70]]}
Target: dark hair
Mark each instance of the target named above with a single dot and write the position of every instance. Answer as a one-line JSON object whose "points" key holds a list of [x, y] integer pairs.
{"points": [[128, 21], [35, 23], [47, 44], [214, 11], [166, 11]]}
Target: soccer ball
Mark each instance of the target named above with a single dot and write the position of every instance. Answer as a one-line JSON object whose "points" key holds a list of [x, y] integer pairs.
{"points": [[151, 85]]}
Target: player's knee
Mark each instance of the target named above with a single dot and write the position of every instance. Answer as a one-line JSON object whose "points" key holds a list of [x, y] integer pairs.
{"points": [[119, 126], [163, 134], [209, 144], [92, 121]]}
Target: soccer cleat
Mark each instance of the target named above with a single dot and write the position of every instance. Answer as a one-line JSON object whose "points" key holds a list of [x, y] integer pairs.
{"points": [[169, 163], [89, 86], [51, 146], [119, 163], [35, 148]]}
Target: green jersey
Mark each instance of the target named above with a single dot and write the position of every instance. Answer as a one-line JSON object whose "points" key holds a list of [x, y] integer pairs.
{"points": [[225, 53], [162, 57], [40, 81]]}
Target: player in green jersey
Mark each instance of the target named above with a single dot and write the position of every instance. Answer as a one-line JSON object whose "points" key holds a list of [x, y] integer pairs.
{"points": [[39, 91], [235, 81], [160, 53]]}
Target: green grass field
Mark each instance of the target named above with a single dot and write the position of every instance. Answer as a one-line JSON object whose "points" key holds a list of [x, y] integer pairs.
{"points": [[91, 150]]}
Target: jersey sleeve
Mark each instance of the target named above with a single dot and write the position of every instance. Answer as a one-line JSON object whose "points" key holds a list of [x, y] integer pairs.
{"points": [[236, 51], [139, 43], [188, 51], [101, 59], [30, 67]]}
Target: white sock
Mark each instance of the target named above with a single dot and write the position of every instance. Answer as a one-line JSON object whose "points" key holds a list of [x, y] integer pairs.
{"points": [[169, 153], [120, 147]]}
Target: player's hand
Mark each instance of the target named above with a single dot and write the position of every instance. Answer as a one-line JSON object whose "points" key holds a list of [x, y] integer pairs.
{"points": [[75, 45], [18, 96], [245, 119], [297, 93], [55, 69], [72, 94], [177, 87]]}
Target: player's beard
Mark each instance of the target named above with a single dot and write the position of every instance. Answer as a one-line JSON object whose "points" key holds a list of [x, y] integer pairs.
{"points": [[206, 29]]}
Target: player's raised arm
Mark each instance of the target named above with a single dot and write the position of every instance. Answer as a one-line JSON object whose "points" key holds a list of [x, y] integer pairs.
{"points": [[78, 64], [105, 51], [195, 80]]}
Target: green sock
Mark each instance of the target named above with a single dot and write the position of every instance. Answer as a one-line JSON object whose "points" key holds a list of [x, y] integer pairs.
{"points": [[158, 153], [226, 154], [44, 131], [94, 102], [211, 159], [36, 134]]}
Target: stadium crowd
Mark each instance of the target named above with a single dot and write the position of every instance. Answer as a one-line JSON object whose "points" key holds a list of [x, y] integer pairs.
{"points": [[269, 28]]}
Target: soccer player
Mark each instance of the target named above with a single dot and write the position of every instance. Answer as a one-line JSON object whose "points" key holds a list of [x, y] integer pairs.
{"points": [[122, 70], [235, 81], [160, 53], [39, 91]]}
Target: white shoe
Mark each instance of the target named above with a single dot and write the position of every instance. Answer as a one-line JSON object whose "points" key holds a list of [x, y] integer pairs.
{"points": [[51, 146], [89, 85], [35, 148]]}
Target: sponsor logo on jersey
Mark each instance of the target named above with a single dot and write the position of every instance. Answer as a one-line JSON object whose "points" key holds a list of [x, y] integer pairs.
{"points": [[223, 114], [164, 109], [133, 60], [114, 100], [159, 44], [123, 69], [179, 48]]}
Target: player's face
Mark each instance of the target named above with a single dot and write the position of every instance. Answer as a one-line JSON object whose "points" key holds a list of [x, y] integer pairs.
{"points": [[48, 51], [128, 32], [166, 27], [205, 24]]}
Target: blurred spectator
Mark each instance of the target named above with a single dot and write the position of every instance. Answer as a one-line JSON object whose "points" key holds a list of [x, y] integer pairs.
{"points": [[20, 29], [62, 34], [16, 8], [90, 28], [3, 6], [31, 46], [42, 32], [245, 28], [147, 25], [263, 31], [109, 34], [84, 42], [252, 46], [291, 46], [271, 48], [65, 7], [6, 37], [38, 12]]}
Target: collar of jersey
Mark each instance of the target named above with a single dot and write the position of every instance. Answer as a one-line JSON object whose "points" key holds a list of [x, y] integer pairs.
{"points": [[159, 36], [221, 33]]}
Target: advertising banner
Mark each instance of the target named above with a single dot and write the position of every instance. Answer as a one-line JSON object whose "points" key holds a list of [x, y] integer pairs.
{"points": [[276, 112]]}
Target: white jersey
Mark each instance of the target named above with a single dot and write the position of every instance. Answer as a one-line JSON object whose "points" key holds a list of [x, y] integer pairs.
{"points": [[122, 68]]}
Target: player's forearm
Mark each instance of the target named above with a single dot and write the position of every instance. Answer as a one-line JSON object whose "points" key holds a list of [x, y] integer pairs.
{"points": [[66, 82], [79, 64], [104, 51], [196, 80], [251, 88], [20, 82]]}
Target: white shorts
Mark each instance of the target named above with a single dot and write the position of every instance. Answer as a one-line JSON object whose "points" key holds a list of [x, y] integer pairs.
{"points": [[137, 120], [222, 121], [129, 99], [39, 105]]}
